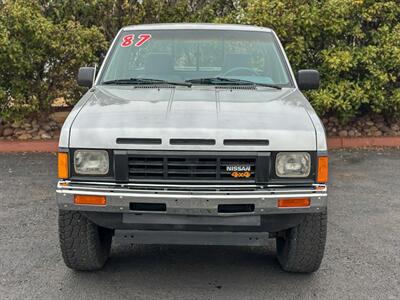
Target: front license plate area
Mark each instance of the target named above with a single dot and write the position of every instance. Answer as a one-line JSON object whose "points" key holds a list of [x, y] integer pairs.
{"points": [[159, 219]]}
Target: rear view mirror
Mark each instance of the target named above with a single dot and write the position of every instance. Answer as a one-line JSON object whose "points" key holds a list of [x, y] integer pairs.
{"points": [[86, 76], [308, 79]]}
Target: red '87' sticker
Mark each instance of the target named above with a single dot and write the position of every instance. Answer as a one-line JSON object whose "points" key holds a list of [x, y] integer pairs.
{"points": [[128, 40]]}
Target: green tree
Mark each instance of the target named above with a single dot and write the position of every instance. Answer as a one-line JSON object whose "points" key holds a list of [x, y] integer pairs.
{"points": [[39, 59]]}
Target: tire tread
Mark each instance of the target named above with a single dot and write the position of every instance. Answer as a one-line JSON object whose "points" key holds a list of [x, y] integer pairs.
{"points": [[306, 245], [83, 246]]}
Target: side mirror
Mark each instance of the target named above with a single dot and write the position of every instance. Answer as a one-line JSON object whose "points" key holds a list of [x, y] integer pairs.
{"points": [[308, 79], [86, 76]]}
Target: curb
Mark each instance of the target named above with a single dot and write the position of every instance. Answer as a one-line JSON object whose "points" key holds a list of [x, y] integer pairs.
{"points": [[28, 146], [363, 142], [333, 143]]}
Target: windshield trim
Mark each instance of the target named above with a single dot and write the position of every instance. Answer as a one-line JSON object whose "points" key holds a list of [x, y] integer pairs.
{"points": [[280, 50]]}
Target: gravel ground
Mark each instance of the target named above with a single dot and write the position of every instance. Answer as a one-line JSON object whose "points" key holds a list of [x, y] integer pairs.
{"points": [[361, 259]]}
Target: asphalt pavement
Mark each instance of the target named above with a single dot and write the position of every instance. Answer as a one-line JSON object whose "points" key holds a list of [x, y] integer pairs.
{"points": [[362, 258]]}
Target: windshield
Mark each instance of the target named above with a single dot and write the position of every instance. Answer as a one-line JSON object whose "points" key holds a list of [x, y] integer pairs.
{"points": [[186, 55]]}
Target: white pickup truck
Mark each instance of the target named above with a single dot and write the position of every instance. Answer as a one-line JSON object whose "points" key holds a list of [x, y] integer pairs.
{"points": [[194, 134]]}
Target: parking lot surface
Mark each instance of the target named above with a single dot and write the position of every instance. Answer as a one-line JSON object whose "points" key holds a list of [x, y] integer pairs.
{"points": [[361, 261]]}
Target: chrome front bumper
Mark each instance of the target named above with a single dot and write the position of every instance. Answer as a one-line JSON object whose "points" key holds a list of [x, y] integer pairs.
{"points": [[190, 199]]}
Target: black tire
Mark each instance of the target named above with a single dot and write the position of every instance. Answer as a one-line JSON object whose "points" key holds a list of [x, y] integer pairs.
{"points": [[84, 245], [300, 249]]}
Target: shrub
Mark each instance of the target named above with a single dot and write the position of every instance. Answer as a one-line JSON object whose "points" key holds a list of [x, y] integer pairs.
{"points": [[39, 59], [355, 44]]}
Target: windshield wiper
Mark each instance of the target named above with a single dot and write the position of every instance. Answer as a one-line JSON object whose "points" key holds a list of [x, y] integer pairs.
{"points": [[224, 80], [145, 81]]}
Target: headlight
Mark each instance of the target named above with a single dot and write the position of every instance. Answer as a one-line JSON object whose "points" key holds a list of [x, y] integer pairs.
{"points": [[293, 164], [91, 162]]}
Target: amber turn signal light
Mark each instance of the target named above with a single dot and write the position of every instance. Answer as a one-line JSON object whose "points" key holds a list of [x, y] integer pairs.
{"points": [[322, 175], [62, 165], [294, 202], [90, 200]]}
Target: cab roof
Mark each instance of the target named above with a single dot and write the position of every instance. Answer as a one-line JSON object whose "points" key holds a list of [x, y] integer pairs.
{"points": [[208, 26]]}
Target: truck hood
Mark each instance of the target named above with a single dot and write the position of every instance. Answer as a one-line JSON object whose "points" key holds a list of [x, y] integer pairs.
{"points": [[202, 112]]}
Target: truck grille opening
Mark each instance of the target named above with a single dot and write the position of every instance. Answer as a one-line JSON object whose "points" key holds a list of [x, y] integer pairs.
{"points": [[137, 206], [191, 167], [235, 208]]}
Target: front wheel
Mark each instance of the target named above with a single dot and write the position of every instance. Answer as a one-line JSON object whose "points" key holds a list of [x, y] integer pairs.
{"points": [[85, 246], [301, 248]]}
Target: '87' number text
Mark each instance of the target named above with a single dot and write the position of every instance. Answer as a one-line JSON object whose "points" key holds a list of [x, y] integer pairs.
{"points": [[129, 39]]}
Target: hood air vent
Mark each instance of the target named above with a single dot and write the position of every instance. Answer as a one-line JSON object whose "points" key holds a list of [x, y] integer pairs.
{"points": [[192, 142], [136, 141], [246, 142]]}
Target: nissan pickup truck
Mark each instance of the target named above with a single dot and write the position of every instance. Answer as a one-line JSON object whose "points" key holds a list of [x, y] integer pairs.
{"points": [[194, 134]]}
